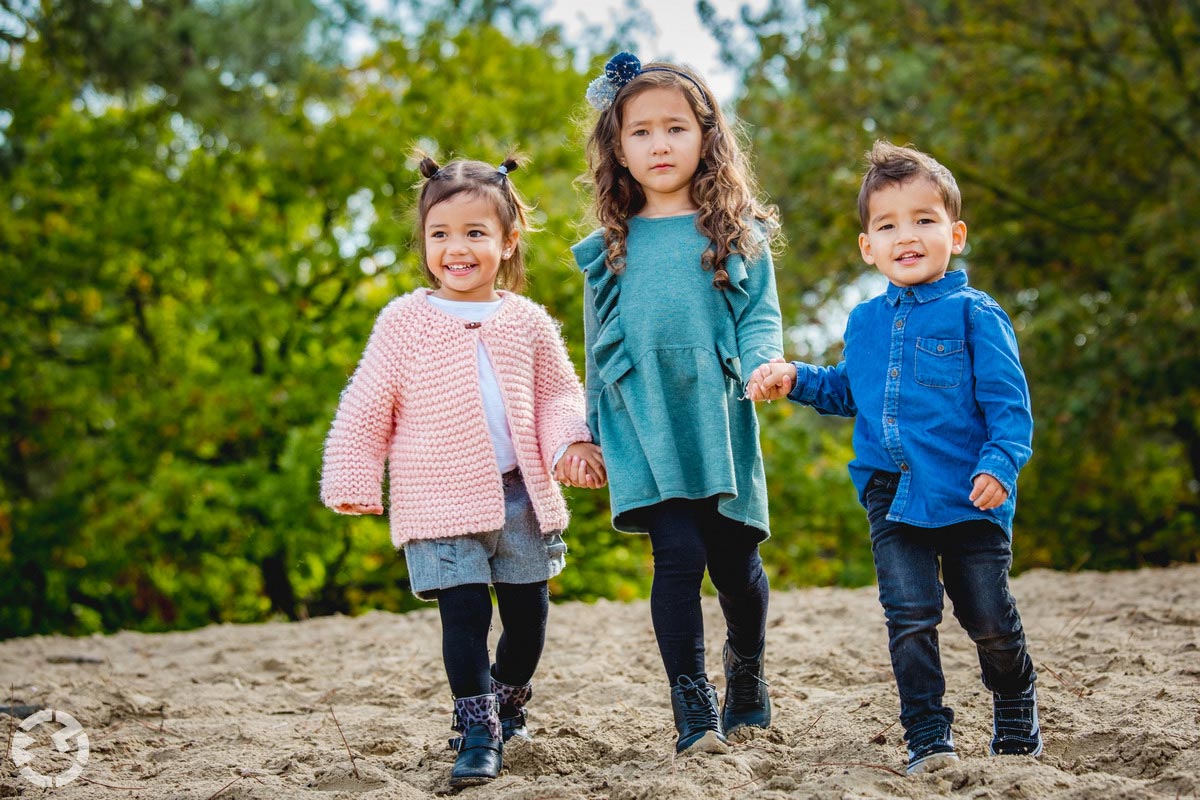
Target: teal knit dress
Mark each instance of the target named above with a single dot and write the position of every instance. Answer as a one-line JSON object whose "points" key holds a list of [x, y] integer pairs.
{"points": [[666, 357]]}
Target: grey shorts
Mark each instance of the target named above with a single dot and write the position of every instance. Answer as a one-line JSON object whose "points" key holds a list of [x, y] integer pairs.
{"points": [[517, 553]]}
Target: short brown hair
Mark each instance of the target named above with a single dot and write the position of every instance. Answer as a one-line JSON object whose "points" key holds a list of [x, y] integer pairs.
{"points": [[892, 165], [481, 180]]}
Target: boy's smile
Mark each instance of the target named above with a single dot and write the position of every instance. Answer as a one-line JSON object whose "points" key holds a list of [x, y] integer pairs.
{"points": [[910, 236]]}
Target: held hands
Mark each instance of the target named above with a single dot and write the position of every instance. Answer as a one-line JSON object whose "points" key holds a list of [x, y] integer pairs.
{"points": [[357, 508], [581, 465], [987, 492], [771, 381]]}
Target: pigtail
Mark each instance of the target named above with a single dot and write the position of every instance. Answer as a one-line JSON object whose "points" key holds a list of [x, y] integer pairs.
{"points": [[428, 167], [509, 165], [441, 183]]}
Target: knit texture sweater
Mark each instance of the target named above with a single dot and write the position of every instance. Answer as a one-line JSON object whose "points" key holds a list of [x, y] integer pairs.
{"points": [[414, 403]]}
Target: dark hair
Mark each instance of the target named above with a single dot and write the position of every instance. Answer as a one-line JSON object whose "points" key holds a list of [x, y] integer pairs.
{"points": [[892, 165], [480, 180], [723, 185]]}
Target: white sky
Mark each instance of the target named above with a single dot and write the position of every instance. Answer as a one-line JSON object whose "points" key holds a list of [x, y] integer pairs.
{"points": [[676, 33], [673, 31]]}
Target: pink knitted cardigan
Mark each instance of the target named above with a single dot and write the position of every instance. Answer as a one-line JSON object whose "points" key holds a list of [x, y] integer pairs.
{"points": [[414, 402]]}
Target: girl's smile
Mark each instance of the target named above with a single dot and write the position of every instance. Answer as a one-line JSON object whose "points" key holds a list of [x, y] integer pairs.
{"points": [[464, 247]]}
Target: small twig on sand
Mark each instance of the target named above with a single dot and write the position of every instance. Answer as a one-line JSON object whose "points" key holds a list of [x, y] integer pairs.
{"points": [[813, 725], [82, 779], [744, 785], [158, 728], [74, 660], [1073, 621], [858, 764], [879, 737], [1075, 690], [226, 786], [12, 692], [347, 744]]}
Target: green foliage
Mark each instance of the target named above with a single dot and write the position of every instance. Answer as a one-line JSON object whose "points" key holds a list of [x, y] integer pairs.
{"points": [[1073, 136], [204, 211], [186, 292]]}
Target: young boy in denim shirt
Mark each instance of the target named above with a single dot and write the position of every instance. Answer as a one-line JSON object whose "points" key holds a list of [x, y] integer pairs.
{"points": [[943, 426]]}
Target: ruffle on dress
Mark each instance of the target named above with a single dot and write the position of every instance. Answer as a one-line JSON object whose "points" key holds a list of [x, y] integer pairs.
{"points": [[608, 348], [736, 295]]}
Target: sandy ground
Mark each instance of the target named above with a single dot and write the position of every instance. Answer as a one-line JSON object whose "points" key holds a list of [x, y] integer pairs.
{"points": [[260, 711]]}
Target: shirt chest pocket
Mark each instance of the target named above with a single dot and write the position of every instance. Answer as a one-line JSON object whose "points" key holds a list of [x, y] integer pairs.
{"points": [[939, 362]]}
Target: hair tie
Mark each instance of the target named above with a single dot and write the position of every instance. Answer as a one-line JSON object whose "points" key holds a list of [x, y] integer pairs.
{"points": [[503, 170], [619, 71]]}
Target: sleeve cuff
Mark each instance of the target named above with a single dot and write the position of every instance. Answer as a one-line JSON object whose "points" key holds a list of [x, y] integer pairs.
{"points": [[999, 468], [558, 454]]}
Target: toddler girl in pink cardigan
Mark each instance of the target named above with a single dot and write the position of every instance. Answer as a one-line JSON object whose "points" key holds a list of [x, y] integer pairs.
{"points": [[466, 392]]}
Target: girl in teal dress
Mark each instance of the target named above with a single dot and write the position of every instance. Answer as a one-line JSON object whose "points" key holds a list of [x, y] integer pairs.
{"points": [[679, 304]]}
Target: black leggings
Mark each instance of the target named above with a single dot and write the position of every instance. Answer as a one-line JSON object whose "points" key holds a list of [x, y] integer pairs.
{"points": [[687, 536], [466, 617]]}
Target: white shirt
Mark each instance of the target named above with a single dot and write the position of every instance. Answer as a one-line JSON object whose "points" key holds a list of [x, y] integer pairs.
{"points": [[489, 385]]}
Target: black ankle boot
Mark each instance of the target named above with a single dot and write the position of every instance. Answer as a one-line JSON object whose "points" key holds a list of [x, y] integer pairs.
{"points": [[697, 720], [480, 745], [746, 700], [512, 707]]}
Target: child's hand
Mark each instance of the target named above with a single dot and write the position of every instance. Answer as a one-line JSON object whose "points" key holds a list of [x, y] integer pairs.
{"points": [[987, 492], [771, 381], [357, 508], [582, 465]]}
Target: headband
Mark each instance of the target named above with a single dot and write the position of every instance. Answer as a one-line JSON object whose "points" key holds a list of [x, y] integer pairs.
{"points": [[620, 70]]}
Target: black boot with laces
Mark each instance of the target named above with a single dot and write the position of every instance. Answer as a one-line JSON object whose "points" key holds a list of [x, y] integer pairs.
{"points": [[694, 701], [746, 702]]}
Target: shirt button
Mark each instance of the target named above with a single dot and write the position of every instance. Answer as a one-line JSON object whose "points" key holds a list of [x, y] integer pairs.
{"points": [[899, 323], [904, 467], [941, 348], [908, 293], [891, 420], [894, 373]]}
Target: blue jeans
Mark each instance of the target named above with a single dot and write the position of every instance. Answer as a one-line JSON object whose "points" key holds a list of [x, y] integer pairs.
{"points": [[975, 558]]}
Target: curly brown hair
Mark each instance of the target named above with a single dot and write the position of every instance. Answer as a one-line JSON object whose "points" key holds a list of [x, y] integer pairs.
{"points": [[481, 180], [732, 215]]}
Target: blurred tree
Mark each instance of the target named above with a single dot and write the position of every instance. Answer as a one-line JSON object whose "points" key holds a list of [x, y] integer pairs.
{"points": [[204, 209], [1072, 129], [189, 275]]}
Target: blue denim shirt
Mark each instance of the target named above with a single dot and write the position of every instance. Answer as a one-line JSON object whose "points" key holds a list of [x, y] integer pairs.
{"points": [[932, 375]]}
